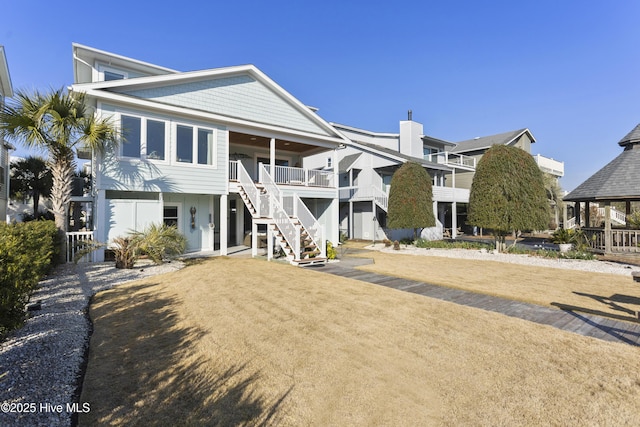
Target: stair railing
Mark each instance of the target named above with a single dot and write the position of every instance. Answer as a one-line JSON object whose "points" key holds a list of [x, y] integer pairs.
{"points": [[310, 224], [289, 230], [249, 188]]}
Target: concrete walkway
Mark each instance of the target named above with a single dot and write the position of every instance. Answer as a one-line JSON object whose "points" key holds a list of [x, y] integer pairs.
{"points": [[580, 323]]}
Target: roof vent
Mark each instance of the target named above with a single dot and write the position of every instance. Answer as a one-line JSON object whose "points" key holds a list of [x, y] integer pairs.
{"points": [[477, 137]]}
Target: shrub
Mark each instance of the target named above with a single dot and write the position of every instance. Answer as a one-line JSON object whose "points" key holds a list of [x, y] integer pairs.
{"points": [[27, 253], [331, 251], [159, 242], [387, 243], [396, 245], [451, 244], [124, 252], [633, 219]]}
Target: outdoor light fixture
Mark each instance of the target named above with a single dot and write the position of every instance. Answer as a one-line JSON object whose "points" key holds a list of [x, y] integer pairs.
{"points": [[193, 216]]}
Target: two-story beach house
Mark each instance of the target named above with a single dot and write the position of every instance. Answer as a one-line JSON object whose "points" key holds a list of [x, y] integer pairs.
{"points": [[6, 91], [219, 153], [366, 167], [367, 164]]}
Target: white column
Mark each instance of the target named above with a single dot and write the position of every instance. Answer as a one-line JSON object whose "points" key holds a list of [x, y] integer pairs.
{"points": [[212, 222], [269, 243], [100, 223], [223, 224], [350, 222], [272, 157], [254, 238], [454, 220]]}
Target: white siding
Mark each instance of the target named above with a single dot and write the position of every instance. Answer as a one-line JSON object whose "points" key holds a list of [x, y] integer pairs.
{"points": [[239, 96]]}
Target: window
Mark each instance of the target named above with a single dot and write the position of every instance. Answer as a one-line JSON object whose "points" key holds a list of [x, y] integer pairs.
{"points": [[110, 75], [131, 133], [155, 140], [205, 147], [329, 162], [195, 145], [170, 216], [142, 136], [184, 144], [107, 73]]}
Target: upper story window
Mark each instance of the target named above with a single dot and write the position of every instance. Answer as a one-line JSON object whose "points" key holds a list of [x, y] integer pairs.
{"points": [[143, 137], [107, 73], [195, 145], [427, 151]]}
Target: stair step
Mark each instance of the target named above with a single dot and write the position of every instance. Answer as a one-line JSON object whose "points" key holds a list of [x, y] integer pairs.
{"points": [[309, 261]]}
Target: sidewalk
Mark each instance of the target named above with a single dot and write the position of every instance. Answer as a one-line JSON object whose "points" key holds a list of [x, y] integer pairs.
{"points": [[571, 321]]}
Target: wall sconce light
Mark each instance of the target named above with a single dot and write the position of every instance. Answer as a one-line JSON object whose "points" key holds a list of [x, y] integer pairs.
{"points": [[193, 216]]}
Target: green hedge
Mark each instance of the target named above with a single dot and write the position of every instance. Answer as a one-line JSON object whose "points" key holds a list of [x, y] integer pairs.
{"points": [[27, 253]]}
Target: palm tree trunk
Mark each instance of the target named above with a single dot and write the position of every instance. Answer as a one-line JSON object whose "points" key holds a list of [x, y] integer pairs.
{"points": [[62, 172], [36, 202]]}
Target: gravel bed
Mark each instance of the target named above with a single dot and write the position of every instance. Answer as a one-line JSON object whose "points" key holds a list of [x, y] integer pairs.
{"points": [[41, 363], [571, 264]]}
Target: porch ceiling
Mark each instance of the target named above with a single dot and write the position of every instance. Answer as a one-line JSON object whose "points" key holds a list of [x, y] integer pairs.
{"points": [[263, 142]]}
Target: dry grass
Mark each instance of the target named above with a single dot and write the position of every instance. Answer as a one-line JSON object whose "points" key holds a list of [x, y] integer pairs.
{"points": [[241, 342], [609, 295]]}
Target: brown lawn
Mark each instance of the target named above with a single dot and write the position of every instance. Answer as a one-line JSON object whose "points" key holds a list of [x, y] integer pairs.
{"points": [[234, 341], [609, 295]]}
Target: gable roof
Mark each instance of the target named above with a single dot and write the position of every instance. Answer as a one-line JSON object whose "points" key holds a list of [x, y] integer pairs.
{"points": [[347, 162], [618, 179], [85, 58], [397, 156], [6, 88], [239, 95], [485, 142]]}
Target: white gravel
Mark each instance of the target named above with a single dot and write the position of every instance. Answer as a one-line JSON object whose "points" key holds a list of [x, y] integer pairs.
{"points": [[572, 264], [41, 363]]}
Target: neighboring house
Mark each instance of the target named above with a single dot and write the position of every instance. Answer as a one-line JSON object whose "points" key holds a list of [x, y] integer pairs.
{"points": [[6, 91], [367, 164], [522, 138], [219, 153]]}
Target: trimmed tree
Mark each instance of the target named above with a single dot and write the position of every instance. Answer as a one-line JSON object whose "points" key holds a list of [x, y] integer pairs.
{"points": [[508, 193], [410, 199]]}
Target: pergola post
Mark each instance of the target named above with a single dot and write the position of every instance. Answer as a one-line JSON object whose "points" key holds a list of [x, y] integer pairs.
{"points": [[587, 214], [607, 228], [577, 214]]}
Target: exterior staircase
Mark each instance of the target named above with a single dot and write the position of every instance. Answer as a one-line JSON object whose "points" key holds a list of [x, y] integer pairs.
{"points": [[296, 230], [617, 217]]}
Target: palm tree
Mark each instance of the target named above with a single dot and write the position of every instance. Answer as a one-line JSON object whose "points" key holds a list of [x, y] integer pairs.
{"points": [[59, 123], [31, 176]]}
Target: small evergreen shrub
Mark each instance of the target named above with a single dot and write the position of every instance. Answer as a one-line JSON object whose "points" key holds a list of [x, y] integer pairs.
{"points": [[387, 243], [27, 253], [331, 251]]}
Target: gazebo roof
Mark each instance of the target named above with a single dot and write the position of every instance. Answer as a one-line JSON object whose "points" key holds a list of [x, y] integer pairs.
{"points": [[618, 180]]}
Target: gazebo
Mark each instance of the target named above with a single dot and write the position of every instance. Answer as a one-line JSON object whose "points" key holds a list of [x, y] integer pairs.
{"points": [[618, 181]]}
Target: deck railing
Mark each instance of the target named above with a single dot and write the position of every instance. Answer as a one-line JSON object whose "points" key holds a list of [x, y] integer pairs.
{"points": [[452, 159], [364, 194], [300, 176], [622, 240]]}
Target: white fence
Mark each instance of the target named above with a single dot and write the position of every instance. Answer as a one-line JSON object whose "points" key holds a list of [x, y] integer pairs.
{"points": [[76, 242]]}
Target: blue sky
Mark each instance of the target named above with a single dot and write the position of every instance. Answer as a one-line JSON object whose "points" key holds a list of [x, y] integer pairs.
{"points": [[567, 70]]}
